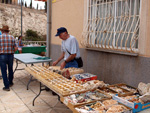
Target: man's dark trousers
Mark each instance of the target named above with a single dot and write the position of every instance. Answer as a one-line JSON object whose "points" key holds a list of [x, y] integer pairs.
{"points": [[6, 61]]}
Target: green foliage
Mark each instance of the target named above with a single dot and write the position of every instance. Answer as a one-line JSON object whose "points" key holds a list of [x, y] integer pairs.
{"points": [[31, 35], [31, 4], [25, 4], [37, 6], [45, 6]]}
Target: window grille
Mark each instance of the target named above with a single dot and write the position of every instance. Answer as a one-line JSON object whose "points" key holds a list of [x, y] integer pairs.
{"points": [[112, 24]]}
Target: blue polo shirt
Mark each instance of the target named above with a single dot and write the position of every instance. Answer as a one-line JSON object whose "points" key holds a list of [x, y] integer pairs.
{"points": [[0, 33]]}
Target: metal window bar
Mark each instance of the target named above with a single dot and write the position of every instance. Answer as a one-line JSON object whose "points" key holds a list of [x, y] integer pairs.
{"points": [[112, 24]]}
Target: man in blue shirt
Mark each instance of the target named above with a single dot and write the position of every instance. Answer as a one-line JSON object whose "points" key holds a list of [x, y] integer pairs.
{"points": [[0, 33]]}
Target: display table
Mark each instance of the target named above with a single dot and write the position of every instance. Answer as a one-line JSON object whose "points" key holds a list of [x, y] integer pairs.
{"points": [[34, 50], [54, 81], [28, 58], [64, 88]]}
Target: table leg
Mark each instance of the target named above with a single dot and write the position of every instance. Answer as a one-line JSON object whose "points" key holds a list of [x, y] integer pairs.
{"points": [[29, 82], [38, 93], [16, 65]]}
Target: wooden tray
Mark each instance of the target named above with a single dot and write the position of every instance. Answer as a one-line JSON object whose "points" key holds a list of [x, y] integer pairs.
{"points": [[126, 92], [129, 110], [122, 84], [71, 105], [105, 89], [54, 81]]}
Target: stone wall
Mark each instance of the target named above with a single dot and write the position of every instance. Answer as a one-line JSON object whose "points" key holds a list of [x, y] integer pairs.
{"points": [[32, 19]]}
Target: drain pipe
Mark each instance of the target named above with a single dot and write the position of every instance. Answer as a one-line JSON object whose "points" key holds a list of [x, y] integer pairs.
{"points": [[49, 24]]}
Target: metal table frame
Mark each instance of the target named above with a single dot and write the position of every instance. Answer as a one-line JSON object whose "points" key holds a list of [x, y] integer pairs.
{"points": [[28, 58], [42, 88]]}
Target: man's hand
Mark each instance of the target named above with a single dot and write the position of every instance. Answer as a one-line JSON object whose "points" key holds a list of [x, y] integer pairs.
{"points": [[55, 63], [59, 59], [62, 65]]}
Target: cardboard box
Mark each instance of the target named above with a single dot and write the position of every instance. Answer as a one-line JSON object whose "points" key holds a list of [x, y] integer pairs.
{"points": [[84, 77], [137, 107]]}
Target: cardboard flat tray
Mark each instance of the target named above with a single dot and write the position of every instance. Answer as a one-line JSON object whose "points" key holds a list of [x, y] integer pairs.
{"points": [[123, 84], [120, 94], [87, 79], [104, 89], [71, 105]]}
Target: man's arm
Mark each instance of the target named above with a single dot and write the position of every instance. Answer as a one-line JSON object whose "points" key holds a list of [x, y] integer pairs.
{"points": [[15, 45], [59, 59], [15, 49], [71, 57], [20, 43]]}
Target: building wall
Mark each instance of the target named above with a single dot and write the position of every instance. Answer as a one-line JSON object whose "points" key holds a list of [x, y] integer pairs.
{"points": [[113, 68], [110, 67], [69, 14], [144, 40]]}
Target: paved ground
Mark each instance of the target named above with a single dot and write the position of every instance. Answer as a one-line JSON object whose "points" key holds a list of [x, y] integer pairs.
{"points": [[19, 100]]}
